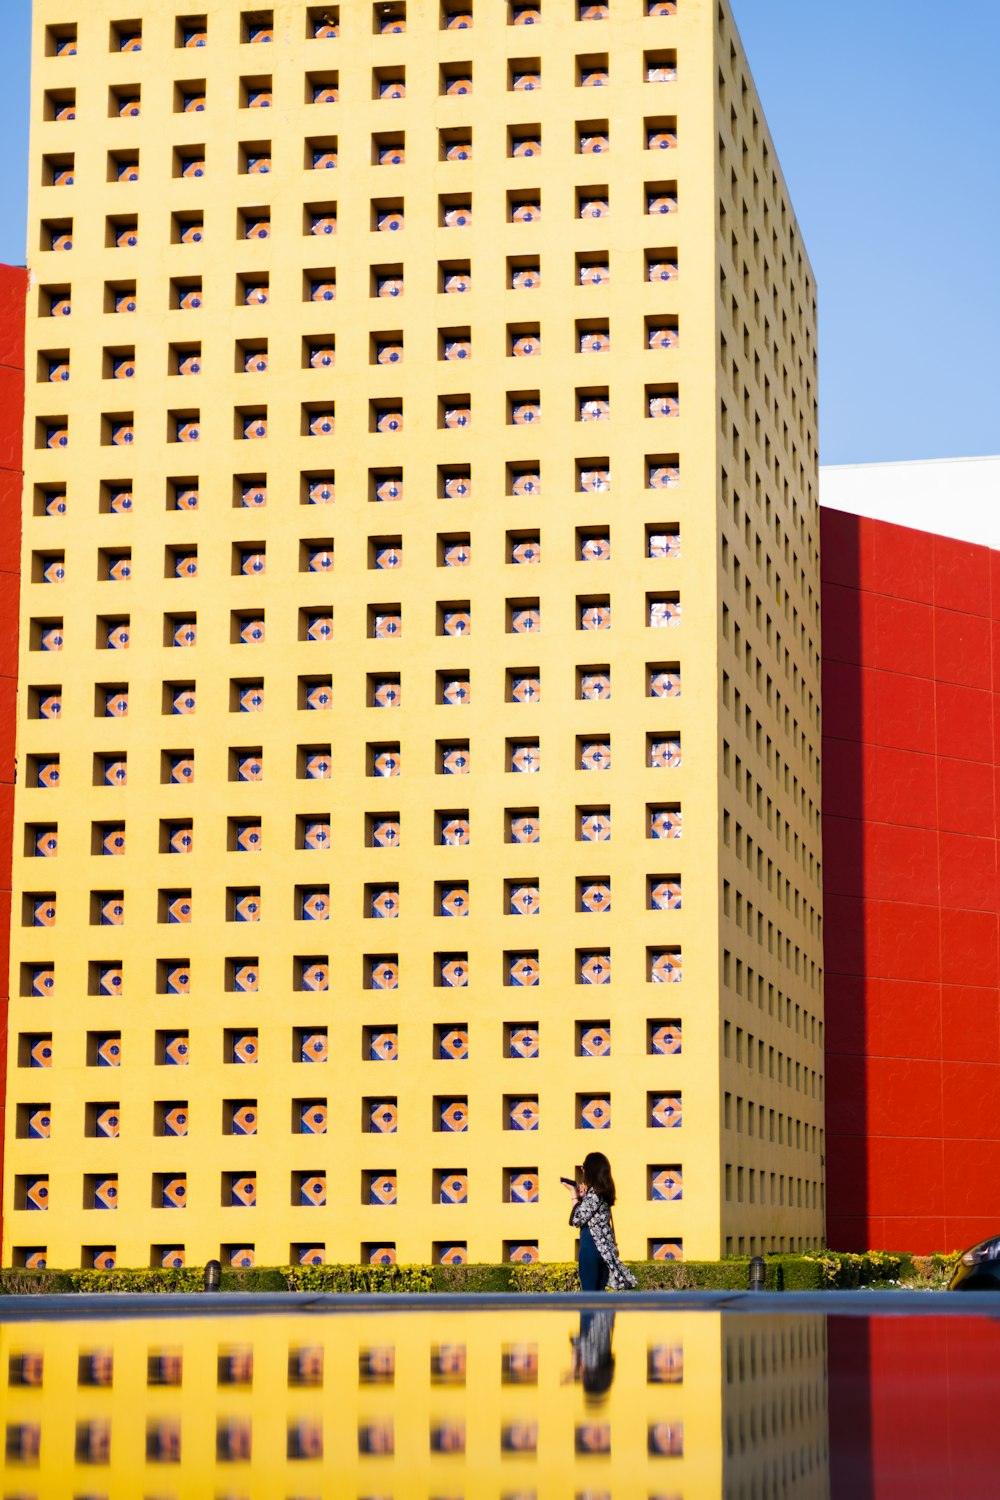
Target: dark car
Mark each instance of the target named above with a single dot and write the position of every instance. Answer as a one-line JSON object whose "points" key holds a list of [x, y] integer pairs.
{"points": [[978, 1270]]}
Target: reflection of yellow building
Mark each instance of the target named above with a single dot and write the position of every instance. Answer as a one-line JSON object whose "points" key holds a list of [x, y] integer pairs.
{"points": [[420, 536], [774, 1407], [409, 1404]]}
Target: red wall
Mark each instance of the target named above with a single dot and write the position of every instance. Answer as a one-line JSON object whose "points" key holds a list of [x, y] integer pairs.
{"points": [[13, 290], [911, 770]]}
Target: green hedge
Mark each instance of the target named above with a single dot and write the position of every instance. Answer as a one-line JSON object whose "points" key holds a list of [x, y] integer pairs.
{"points": [[822, 1270]]}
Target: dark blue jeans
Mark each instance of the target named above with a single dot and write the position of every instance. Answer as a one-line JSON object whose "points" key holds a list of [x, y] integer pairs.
{"points": [[593, 1268]]}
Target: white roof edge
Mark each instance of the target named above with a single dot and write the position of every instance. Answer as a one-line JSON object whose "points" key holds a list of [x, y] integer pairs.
{"points": [[912, 463], [952, 497]]}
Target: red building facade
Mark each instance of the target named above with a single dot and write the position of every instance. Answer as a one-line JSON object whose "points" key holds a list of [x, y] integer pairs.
{"points": [[13, 289], [911, 817]]}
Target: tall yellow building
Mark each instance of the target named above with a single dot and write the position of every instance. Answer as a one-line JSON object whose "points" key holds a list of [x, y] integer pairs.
{"points": [[418, 733]]}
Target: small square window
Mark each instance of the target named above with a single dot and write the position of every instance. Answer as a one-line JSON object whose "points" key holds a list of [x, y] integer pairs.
{"points": [[665, 1111], [451, 971], [253, 289], [593, 824], [662, 333], [243, 904], [57, 234], [592, 71], [521, 1039], [663, 471], [593, 612], [593, 894], [593, 202], [384, 760], [524, 616], [663, 680], [323, 22], [524, 273], [456, 15], [593, 544], [524, 685], [455, 79], [593, 1112], [453, 758], [451, 898], [61, 41], [454, 550], [521, 1112], [454, 689], [455, 144], [663, 751], [185, 293], [454, 618], [59, 170], [190, 97], [454, 483], [593, 683], [192, 31], [523, 825], [524, 757], [593, 1038], [389, 17], [524, 74], [592, 268], [664, 1038], [660, 66], [524, 207], [257, 26], [383, 830], [453, 827], [256, 92], [660, 198], [662, 401], [386, 554], [323, 88], [660, 132], [592, 138], [593, 967], [523, 408], [524, 141], [389, 83], [381, 902], [522, 898]]}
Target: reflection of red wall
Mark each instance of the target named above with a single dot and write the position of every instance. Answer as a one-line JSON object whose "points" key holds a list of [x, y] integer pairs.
{"points": [[911, 768], [13, 289], [911, 1407]]}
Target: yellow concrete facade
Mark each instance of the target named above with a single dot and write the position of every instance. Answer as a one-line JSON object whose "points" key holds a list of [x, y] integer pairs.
{"points": [[418, 733]]}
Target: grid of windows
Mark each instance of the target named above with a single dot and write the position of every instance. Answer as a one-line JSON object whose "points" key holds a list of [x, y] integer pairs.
{"points": [[314, 573], [772, 970]]}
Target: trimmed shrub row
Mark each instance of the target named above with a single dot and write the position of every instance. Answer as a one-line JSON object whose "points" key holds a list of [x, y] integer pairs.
{"points": [[825, 1270]]}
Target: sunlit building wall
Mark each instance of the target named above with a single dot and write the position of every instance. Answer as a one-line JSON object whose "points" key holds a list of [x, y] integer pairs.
{"points": [[419, 712], [13, 285]]}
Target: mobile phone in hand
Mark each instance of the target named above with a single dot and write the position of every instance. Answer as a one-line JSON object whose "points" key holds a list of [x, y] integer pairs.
{"points": [[568, 1181]]}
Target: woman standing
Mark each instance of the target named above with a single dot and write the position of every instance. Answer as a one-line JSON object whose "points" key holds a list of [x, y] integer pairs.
{"points": [[600, 1263]]}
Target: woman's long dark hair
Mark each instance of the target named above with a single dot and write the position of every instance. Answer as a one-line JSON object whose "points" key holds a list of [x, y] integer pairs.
{"points": [[597, 1175]]}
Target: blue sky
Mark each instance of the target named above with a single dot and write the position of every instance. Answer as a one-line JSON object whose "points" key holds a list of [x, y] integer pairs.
{"points": [[886, 116]]}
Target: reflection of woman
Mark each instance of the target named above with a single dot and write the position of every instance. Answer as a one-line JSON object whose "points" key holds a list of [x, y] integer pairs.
{"points": [[593, 1361], [600, 1264]]}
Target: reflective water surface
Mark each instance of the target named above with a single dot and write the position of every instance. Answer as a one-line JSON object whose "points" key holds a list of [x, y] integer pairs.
{"points": [[525, 1402]]}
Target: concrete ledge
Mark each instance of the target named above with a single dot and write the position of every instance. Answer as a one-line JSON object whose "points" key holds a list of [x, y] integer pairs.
{"points": [[86, 1307]]}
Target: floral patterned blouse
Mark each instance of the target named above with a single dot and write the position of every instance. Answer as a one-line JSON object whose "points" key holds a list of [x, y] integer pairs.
{"points": [[591, 1212]]}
